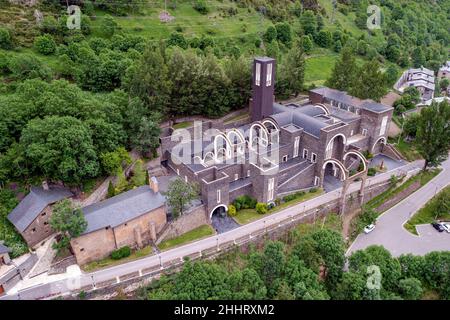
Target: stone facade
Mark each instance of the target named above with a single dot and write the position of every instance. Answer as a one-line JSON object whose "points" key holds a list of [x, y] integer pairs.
{"points": [[40, 228], [134, 233], [309, 137]]}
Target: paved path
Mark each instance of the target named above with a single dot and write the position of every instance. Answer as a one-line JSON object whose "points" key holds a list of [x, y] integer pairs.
{"points": [[389, 231], [64, 285]]}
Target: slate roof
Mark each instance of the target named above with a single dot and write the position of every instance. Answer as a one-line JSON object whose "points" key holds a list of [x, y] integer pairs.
{"points": [[33, 204], [375, 106], [4, 249], [122, 208]]}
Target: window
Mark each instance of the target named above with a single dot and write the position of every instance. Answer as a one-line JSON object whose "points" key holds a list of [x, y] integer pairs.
{"points": [[313, 157], [383, 125], [269, 75], [296, 146], [185, 179], [236, 176], [33, 230], [285, 158], [81, 249], [45, 223], [43, 214], [364, 132], [258, 74], [351, 133], [305, 153], [218, 196], [270, 189], [248, 173], [178, 171], [316, 180]]}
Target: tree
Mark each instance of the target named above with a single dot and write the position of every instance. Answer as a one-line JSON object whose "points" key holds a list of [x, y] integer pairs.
{"points": [[45, 44], [410, 288], [344, 72], [273, 260], [111, 161], [60, 148], [138, 178], [392, 73], [69, 222], [444, 83], [27, 66], [351, 287], [418, 57], [179, 194], [5, 39], [413, 93], [308, 22], [177, 39], [147, 139], [324, 39], [433, 133], [306, 43], [108, 26], [270, 34], [284, 33], [370, 82], [292, 75]]}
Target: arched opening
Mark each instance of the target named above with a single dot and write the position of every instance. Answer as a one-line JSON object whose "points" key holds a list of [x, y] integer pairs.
{"points": [[333, 175], [272, 129], [221, 221], [323, 107], [378, 145], [354, 162], [335, 147], [258, 135]]}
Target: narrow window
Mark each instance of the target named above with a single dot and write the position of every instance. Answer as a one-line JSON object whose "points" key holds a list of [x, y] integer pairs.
{"points": [[248, 173], [218, 196], [383, 125], [296, 146], [285, 158], [313, 157], [269, 75], [364, 132], [258, 74], [185, 179], [236, 176], [305, 153], [316, 180], [270, 189]]}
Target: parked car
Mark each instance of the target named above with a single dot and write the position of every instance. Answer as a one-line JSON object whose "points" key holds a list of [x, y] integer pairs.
{"points": [[438, 226], [369, 228], [446, 226]]}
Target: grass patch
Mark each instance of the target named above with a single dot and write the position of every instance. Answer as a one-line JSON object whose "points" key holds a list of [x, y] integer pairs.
{"points": [[319, 68], [109, 262], [237, 118], [408, 150], [423, 177], [248, 215], [428, 213], [197, 233], [183, 125], [331, 221]]}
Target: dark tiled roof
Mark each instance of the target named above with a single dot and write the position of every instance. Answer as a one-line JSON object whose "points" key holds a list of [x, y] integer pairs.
{"points": [[375, 106], [33, 204], [122, 208], [4, 249]]}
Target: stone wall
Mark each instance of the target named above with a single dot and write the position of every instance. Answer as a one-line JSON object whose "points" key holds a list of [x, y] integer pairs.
{"points": [[12, 277], [190, 220], [39, 229]]}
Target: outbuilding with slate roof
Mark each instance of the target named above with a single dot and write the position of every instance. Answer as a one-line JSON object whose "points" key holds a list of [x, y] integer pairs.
{"points": [[31, 216]]}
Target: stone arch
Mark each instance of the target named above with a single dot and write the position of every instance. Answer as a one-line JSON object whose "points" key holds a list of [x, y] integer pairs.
{"points": [[218, 149], [323, 107], [335, 162], [217, 207], [263, 131], [378, 140], [240, 144], [359, 155], [330, 145]]}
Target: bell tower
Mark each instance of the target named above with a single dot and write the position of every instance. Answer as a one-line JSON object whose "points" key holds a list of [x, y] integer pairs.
{"points": [[263, 88]]}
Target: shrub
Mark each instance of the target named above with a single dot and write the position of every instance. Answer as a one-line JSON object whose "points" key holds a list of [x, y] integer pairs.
{"points": [[121, 253], [312, 190], [45, 44], [5, 39], [244, 202], [232, 210], [28, 67], [393, 180], [261, 208], [200, 6], [371, 172]]}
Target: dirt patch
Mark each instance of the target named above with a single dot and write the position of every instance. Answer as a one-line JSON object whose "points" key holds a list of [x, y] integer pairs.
{"points": [[346, 223], [398, 197]]}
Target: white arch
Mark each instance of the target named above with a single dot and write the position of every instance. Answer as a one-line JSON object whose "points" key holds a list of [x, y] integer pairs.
{"points": [[328, 150], [238, 134], [359, 155], [380, 138], [263, 131], [217, 148], [323, 107], [209, 155], [218, 206], [273, 123], [339, 164]]}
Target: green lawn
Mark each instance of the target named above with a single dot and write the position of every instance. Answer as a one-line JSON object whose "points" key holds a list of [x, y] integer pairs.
{"points": [[408, 150], [196, 234], [238, 117], [108, 262], [331, 221], [248, 215], [318, 68], [428, 213], [423, 177], [183, 125]]}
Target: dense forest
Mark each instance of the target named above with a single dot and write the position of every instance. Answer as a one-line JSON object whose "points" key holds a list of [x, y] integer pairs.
{"points": [[308, 266]]}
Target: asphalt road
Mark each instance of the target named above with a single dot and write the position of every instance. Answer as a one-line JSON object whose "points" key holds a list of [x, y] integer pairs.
{"points": [[389, 231], [60, 286]]}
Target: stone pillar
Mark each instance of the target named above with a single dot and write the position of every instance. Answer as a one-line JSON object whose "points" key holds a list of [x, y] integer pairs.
{"points": [[152, 231], [343, 197], [138, 237]]}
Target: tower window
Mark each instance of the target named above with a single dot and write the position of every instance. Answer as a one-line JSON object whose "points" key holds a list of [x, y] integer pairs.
{"points": [[218, 196], [269, 75], [258, 74]]}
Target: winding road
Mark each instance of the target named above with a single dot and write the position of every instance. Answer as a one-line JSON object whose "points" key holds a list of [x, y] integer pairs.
{"points": [[389, 231]]}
